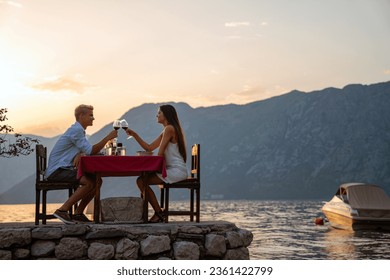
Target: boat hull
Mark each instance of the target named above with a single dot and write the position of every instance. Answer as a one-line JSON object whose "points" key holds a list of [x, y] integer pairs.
{"points": [[351, 223]]}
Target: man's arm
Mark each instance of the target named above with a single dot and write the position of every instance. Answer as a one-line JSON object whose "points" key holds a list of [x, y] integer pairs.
{"points": [[100, 145]]}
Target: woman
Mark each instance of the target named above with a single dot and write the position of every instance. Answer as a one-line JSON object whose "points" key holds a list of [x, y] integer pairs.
{"points": [[171, 145]]}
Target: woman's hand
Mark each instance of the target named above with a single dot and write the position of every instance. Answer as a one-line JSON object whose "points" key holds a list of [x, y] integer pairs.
{"points": [[130, 132]]}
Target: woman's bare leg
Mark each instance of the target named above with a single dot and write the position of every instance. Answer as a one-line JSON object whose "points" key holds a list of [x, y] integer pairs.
{"points": [[143, 183]]}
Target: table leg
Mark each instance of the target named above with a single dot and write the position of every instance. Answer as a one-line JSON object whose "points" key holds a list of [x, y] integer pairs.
{"points": [[145, 200], [96, 206], [145, 207]]}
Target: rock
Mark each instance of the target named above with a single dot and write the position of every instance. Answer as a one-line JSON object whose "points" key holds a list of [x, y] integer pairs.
{"points": [[127, 249], [100, 251], [5, 255], [122, 209], [241, 253], [191, 233], [191, 236], [16, 236], [72, 230], [184, 250], [191, 230], [42, 248], [110, 232], [21, 254], [154, 245], [246, 236], [71, 248], [215, 245], [234, 239], [46, 233]]}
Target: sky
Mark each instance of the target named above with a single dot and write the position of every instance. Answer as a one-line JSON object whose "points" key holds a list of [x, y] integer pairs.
{"points": [[119, 54]]}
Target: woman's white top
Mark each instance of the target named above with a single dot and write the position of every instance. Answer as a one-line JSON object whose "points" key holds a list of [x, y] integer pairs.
{"points": [[175, 165]]}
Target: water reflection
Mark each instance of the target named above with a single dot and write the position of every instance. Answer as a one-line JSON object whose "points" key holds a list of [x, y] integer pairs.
{"points": [[339, 244], [343, 244], [285, 230]]}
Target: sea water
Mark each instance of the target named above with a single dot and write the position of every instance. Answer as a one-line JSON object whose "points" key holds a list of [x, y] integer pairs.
{"points": [[282, 230]]}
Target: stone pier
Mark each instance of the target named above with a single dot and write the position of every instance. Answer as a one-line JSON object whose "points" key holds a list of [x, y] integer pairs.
{"points": [[124, 241]]}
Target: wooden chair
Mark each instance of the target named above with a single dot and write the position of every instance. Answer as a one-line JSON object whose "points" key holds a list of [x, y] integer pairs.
{"points": [[41, 184], [192, 184]]}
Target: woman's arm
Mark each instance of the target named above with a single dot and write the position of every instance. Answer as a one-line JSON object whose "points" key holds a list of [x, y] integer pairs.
{"points": [[147, 147]]}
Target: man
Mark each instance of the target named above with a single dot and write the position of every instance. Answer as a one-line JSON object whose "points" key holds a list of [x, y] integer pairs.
{"points": [[63, 162]]}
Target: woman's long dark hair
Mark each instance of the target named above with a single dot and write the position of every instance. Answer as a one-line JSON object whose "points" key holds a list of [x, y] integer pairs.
{"points": [[171, 116]]}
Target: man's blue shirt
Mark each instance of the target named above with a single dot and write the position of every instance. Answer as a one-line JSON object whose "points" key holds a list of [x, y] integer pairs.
{"points": [[71, 143]]}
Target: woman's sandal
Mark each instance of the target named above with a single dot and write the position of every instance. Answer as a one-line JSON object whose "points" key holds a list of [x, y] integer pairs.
{"points": [[158, 217]]}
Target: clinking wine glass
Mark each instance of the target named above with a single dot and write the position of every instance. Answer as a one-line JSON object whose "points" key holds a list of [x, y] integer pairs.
{"points": [[117, 124], [125, 126]]}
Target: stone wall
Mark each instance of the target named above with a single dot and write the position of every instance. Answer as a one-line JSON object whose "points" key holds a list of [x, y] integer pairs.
{"points": [[176, 241]]}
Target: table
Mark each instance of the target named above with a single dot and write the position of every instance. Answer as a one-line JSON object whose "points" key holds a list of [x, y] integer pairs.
{"points": [[113, 166]]}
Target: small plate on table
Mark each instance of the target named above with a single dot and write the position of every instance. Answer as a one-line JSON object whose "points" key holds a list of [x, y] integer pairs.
{"points": [[144, 153]]}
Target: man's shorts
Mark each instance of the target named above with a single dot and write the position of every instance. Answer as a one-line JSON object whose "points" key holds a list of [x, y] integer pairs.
{"points": [[64, 175]]}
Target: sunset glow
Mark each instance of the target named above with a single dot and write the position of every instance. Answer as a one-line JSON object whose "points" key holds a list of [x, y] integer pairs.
{"points": [[116, 55]]}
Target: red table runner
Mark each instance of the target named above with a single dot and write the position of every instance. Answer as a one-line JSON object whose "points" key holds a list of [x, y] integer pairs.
{"points": [[107, 166]]}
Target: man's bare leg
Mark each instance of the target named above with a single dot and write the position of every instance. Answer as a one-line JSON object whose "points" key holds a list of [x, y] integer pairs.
{"points": [[88, 198], [87, 186]]}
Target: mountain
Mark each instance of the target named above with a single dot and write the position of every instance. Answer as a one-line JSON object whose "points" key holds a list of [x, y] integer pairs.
{"points": [[295, 146]]}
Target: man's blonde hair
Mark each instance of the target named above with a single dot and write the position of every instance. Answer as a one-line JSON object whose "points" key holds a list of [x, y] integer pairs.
{"points": [[82, 109]]}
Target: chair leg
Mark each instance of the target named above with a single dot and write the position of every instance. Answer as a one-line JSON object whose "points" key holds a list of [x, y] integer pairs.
{"points": [[37, 205], [192, 204], [70, 192], [162, 195], [145, 207], [166, 217], [44, 201], [197, 205]]}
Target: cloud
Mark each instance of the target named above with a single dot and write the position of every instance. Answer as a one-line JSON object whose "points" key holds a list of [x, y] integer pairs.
{"points": [[46, 130], [12, 3], [250, 93], [237, 23], [63, 84], [233, 37]]}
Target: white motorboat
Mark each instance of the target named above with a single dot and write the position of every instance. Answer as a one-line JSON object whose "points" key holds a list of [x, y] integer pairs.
{"points": [[359, 206]]}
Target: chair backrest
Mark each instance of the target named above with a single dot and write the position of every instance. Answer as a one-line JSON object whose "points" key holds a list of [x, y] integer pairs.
{"points": [[195, 161], [41, 159]]}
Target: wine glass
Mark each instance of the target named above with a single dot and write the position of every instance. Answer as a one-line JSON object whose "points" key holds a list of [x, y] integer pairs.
{"points": [[116, 124], [125, 125]]}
